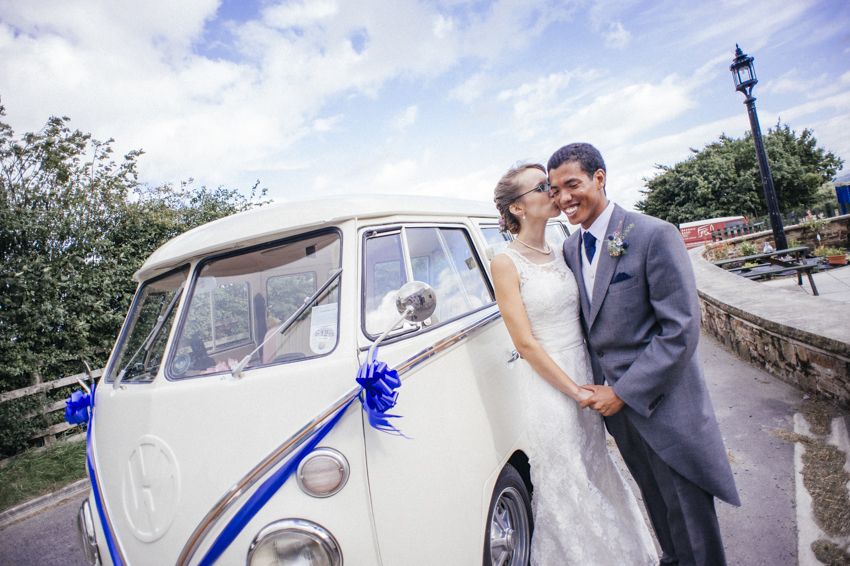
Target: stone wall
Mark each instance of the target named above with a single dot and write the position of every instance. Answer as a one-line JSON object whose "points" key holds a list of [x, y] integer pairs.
{"points": [[802, 340]]}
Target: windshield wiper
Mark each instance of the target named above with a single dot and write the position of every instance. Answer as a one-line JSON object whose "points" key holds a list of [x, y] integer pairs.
{"points": [[237, 371], [154, 334]]}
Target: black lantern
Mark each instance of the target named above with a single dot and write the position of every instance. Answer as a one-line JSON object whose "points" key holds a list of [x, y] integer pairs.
{"points": [[744, 75], [743, 72]]}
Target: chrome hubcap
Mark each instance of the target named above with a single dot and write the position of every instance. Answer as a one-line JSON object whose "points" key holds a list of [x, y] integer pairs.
{"points": [[509, 532]]}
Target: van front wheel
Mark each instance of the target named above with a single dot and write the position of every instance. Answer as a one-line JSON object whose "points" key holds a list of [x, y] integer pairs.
{"points": [[507, 541]]}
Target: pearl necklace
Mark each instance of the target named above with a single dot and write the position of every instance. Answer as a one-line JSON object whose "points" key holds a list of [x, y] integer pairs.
{"points": [[535, 249]]}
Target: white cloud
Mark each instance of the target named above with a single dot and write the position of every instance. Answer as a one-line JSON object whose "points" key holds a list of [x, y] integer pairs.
{"points": [[442, 26], [408, 118], [617, 37], [395, 176], [326, 124], [477, 185], [322, 181], [470, 90], [299, 14]]}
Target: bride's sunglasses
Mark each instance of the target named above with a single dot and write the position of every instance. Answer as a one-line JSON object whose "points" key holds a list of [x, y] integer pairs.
{"points": [[541, 188]]}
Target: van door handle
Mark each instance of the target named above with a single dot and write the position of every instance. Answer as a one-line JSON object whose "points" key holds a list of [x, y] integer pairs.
{"points": [[512, 357]]}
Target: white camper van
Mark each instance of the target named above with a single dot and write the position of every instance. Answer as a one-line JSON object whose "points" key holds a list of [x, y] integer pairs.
{"points": [[228, 427]]}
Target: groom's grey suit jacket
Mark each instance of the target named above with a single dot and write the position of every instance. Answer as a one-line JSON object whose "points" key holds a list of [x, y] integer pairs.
{"points": [[642, 332]]}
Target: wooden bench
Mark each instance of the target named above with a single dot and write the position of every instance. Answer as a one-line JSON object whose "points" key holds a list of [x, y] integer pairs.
{"points": [[779, 266]]}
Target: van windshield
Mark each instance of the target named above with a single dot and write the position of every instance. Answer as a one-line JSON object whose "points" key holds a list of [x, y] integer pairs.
{"points": [[240, 301]]}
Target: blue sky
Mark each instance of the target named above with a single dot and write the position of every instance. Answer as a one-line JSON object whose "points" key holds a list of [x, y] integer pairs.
{"points": [[434, 97]]}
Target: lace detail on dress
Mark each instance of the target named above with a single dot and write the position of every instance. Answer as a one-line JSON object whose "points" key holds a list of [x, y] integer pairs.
{"points": [[584, 512]]}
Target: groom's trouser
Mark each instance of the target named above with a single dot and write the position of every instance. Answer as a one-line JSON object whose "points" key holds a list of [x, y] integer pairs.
{"points": [[681, 512]]}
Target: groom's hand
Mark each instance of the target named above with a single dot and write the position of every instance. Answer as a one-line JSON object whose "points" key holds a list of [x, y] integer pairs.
{"points": [[603, 400]]}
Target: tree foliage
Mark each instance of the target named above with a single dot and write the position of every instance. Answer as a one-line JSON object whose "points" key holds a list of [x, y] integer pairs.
{"points": [[75, 224], [723, 178]]}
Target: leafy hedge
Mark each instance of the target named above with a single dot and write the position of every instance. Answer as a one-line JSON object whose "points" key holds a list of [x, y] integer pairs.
{"points": [[75, 224]]}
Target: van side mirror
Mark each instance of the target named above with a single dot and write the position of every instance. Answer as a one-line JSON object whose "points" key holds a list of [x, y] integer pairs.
{"points": [[416, 301]]}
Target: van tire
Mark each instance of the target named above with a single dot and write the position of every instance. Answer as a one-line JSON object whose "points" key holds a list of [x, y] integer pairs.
{"points": [[507, 538]]}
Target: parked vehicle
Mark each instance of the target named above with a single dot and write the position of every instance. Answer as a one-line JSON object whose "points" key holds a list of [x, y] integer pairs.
{"points": [[698, 232], [243, 342]]}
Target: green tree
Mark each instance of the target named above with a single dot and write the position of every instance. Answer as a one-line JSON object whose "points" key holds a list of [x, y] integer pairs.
{"points": [[723, 178], [75, 224]]}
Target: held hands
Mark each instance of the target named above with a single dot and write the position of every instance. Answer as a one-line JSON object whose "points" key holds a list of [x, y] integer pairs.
{"points": [[602, 398], [582, 395]]}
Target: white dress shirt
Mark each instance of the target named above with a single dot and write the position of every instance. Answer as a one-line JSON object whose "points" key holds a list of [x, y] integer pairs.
{"points": [[599, 230]]}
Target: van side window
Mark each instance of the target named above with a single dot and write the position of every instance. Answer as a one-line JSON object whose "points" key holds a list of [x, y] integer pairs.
{"points": [[496, 240], [555, 234], [385, 273], [141, 347], [441, 257]]}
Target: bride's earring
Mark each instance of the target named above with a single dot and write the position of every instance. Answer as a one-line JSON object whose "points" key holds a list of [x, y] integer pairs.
{"points": [[523, 215]]}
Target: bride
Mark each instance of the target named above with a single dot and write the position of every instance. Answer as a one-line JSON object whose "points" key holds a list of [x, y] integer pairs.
{"points": [[584, 513]]}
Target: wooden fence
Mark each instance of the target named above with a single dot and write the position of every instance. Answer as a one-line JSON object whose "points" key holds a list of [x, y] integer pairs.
{"points": [[49, 434]]}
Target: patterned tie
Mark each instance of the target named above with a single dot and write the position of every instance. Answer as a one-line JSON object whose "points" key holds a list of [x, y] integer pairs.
{"points": [[589, 246]]}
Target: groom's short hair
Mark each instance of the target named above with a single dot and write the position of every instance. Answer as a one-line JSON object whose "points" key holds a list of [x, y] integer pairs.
{"points": [[587, 156]]}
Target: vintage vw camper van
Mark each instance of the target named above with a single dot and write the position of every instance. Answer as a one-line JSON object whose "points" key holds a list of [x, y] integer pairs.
{"points": [[228, 427]]}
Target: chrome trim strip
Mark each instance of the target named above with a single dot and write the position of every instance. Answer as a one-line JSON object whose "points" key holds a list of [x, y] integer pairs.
{"points": [[462, 334], [247, 482], [228, 500]]}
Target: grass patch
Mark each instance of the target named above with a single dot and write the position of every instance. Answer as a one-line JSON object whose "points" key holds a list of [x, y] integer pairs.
{"points": [[36, 473], [829, 553]]}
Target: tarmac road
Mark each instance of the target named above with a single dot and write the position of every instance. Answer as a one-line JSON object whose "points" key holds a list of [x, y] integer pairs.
{"points": [[749, 404], [46, 539]]}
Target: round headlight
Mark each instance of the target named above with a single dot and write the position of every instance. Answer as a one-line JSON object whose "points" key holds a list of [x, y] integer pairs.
{"points": [[294, 542], [322, 473], [85, 534]]}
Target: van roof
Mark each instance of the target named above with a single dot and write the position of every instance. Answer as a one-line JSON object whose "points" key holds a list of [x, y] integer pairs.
{"points": [[271, 222]]}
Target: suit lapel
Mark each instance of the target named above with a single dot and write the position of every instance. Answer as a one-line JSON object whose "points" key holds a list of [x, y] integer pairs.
{"points": [[607, 266]]}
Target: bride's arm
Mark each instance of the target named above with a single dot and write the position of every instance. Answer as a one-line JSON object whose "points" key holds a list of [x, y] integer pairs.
{"points": [[506, 282]]}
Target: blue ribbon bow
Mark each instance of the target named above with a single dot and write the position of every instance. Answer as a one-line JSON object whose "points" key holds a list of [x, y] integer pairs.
{"points": [[77, 408], [378, 394]]}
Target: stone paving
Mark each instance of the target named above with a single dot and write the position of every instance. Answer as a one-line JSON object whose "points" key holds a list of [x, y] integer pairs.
{"points": [[832, 284]]}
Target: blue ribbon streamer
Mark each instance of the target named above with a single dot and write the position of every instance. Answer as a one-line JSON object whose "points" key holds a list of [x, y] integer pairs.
{"points": [[107, 531], [265, 492], [377, 395]]}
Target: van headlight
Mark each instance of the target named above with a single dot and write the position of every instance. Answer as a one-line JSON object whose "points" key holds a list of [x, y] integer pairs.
{"points": [[294, 542], [85, 534]]}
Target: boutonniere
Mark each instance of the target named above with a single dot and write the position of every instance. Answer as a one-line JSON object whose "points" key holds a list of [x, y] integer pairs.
{"points": [[617, 244]]}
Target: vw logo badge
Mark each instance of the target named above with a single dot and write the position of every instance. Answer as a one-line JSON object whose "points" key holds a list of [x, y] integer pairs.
{"points": [[151, 488]]}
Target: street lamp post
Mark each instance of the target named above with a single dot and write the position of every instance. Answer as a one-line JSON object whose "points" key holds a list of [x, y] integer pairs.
{"points": [[745, 79]]}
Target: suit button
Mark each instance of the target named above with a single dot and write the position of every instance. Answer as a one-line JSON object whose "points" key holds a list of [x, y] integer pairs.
{"points": [[600, 353]]}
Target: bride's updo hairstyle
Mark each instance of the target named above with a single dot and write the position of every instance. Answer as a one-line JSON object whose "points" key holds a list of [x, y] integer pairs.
{"points": [[507, 192]]}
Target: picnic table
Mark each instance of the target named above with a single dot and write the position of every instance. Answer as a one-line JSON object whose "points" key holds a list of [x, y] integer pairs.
{"points": [[781, 266]]}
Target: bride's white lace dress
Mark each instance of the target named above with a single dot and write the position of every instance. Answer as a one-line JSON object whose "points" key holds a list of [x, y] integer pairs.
{"points": [[584, 513]]}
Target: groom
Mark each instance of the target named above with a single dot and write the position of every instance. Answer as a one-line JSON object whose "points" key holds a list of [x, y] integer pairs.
{"points": [[641, 317]]}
